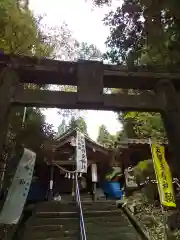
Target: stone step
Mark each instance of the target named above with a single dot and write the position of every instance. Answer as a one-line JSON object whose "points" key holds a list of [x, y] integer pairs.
{"points": [[105, 213], [74, 235], [119, 236], [99, 230], [90, 227], [56, 214], [71, 206], [99, 202], [92, 213], [59, 221], [49, 228], [56, 207], [50, 234], [34, 221], [55, 238], [70, 221], [97, 207]]}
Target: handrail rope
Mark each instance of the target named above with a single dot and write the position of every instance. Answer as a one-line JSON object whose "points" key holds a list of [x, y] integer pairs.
{"points": [[77, 193], [82, 227], [78, 199], [80, 222]]}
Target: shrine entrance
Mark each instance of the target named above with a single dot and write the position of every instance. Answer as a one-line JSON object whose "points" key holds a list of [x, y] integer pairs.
{"points": [[158, 90], [59, 168]]}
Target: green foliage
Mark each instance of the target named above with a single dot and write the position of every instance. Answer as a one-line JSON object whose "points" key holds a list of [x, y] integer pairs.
{"points": [[126, 32], [143, 125], [20, 31], [115, 172], [35, 130], [144, 32], [143, 170], [104, 137]]}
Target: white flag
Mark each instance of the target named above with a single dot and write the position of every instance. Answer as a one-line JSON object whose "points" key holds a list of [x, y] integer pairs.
{"points": [[19, 189], [81, 157]]}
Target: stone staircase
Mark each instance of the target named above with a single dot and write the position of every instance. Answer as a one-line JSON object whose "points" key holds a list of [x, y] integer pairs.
{"points": [[103, 220], [59, 221]]}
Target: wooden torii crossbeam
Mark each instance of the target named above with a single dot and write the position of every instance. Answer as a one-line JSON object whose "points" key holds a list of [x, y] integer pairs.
{"points": [[159, 90]]}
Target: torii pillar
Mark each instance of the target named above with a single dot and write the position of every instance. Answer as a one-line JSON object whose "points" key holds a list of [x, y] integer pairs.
{"points": [[170, 114], [8, 84]]}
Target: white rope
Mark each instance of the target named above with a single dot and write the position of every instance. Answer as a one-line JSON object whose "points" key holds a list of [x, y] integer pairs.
{"points": [[63, 169]]}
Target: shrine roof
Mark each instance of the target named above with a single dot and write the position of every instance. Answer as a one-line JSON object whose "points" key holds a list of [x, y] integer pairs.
{"points": [[70, 135]]}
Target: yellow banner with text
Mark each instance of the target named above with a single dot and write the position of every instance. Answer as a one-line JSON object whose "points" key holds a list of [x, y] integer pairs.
{"points": [[163, 175]]}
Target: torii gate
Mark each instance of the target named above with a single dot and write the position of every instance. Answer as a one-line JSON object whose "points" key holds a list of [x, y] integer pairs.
{"points": [[90, 78]]}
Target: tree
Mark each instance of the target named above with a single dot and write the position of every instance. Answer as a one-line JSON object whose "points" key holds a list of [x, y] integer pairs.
{"points": [[144, 32], [34, 132], [143, 125], [88, 52], [104, 137], [78, 123], [23, 34], [62, 128]]}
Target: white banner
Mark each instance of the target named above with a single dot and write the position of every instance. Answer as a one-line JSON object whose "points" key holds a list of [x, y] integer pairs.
{"points": [[81, 157], [19, 189]]}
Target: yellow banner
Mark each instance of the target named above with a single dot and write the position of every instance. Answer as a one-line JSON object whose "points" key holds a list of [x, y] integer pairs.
{"points": [[163, 175]]}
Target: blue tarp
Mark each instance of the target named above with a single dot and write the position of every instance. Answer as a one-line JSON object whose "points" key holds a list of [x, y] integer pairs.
{"points": [[112, 189]]}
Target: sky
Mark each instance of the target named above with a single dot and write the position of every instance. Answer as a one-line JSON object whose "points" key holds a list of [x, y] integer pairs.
{"points": [[85, 23]]}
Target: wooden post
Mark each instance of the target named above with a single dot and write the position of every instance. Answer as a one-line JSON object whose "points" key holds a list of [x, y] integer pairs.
{"points": [[94, 179], [90, 82], [170, 114], [73, 188], [8, 84], [51, 182]]}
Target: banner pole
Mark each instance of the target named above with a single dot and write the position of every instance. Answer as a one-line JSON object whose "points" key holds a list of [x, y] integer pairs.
{"points": [[162, 207]]}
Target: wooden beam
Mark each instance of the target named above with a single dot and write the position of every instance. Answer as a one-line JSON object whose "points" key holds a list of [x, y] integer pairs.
{"points": [[46, 71], [65, 162], [115, 102], [70, 162]]}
